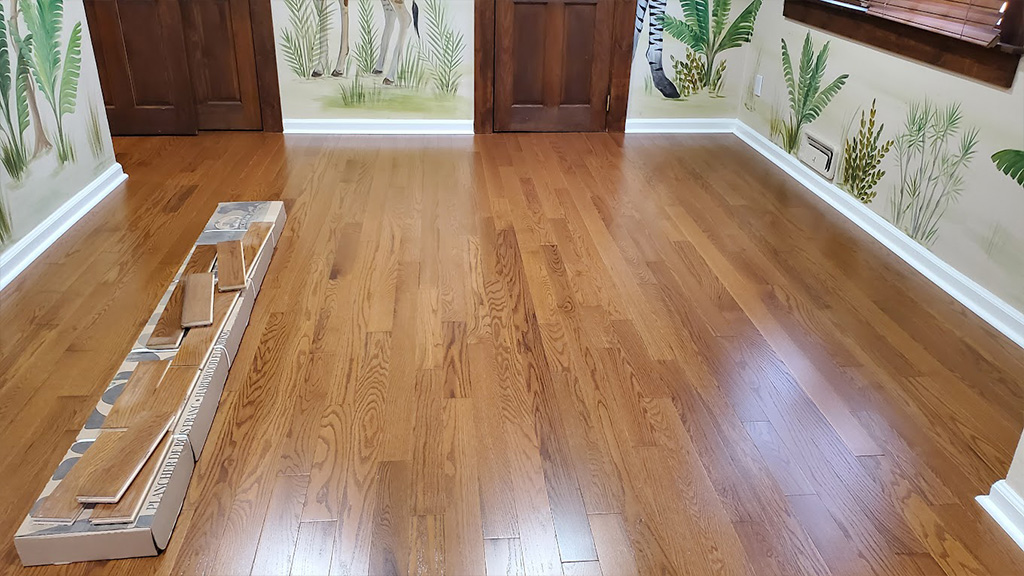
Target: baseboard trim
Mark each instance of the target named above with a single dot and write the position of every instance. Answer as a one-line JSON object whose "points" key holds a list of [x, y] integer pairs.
{"points": [[388, 126], [989, 307], [18, 256], [1007, 508], [681, 125]]}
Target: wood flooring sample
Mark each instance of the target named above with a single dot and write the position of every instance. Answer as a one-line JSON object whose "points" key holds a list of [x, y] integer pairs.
{"points": [[230, 266], [104, 472], [61, 506], [196, 346], [137, 395], [254, 239], [168, 332], [201, 260], [127, 508], [197, 308]]}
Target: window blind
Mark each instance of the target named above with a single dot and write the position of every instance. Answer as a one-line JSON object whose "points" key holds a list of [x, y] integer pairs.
{"points": [[977, 21]]}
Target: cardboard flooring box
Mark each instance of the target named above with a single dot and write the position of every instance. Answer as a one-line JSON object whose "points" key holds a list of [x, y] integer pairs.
{"points": [[49, 543]]}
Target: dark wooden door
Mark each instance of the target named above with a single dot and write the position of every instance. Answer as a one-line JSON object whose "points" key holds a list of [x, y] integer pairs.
{"points": [[221, 62], [140, 52], [551, 65]]}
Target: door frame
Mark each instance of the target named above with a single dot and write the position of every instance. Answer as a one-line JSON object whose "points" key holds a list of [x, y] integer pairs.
{"points": [[264, 50], [623, 19]]}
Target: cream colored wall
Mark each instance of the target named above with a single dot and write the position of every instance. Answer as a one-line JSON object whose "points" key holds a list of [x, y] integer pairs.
{"points": [[47, 183]]}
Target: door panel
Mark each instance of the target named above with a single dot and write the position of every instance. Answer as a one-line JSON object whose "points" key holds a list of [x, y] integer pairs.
{"points": [[218, 40], [140, 54], [551, 64]]}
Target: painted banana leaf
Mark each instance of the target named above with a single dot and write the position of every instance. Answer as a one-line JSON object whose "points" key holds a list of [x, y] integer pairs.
{"points": [[71, 71], [44, 20], [703, 26], [805, 99], [1011, 163]]}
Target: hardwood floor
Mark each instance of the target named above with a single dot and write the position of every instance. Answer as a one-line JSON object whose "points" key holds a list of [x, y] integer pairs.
{"points": [[532, 354]]}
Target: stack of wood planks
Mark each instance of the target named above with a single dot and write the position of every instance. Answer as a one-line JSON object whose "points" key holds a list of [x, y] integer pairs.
{"points": [[113, 476]]}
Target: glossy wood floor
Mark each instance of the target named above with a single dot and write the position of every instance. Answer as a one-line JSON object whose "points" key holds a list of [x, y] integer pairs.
{"points": [[537, 354]]}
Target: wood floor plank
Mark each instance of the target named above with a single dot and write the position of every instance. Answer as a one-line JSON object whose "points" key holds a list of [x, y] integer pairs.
{"points": [[197, 306], [127, 508], [613, 547], [107, 468], [504, 557], [313, 548], [230, 265], [138, 393], [252, 242], [280, 531], [198, 343], [168, 332]]}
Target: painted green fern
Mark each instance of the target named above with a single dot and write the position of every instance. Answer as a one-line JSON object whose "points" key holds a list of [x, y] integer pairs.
{"points": [[412, 70], [862, 158], [304, 40], [444, 49], [806, 101], [1011, 163], [705, 30], [932, 153], [366, 50], [55, 75], [14, 79]]}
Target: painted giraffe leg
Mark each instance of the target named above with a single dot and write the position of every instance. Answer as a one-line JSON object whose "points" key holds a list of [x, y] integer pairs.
{"points": [[654, 49], [321, 64], [339, 68], [404, 20], [385, 39]]}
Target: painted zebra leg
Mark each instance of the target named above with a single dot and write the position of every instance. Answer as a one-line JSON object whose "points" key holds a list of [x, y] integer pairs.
{"points": [[654, 48], [641, 11]]}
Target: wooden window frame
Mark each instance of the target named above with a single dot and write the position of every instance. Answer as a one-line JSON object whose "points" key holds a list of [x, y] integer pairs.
{"points": [[996, 66]]}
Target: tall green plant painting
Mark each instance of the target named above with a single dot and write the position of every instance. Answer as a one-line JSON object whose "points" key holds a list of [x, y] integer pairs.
{"points": [[807, 99], [932, 154], [56, 73], [444, 48], [707, 33], [1011, 163], [14, 81], [304, 41]]}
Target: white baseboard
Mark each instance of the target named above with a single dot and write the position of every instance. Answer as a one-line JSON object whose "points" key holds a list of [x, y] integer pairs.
{"points": [[391, 126], [1007, 508], [18, 256], [681, 125], [975, 297]]}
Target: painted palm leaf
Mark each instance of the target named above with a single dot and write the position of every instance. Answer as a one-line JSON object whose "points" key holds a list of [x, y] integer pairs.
{"points": [[806, 101], [5, 63], [70, 72], [1011, 163], [720, 17], [44, 19], [742, 29]]}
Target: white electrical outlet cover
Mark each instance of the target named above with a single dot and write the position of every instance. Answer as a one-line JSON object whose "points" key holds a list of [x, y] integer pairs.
{"points": [[758, 83]]}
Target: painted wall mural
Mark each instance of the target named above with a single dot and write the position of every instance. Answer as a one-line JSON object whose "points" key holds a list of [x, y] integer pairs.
{"points": [[375, 58], [700, 32], [939, 156], [54, 138]]}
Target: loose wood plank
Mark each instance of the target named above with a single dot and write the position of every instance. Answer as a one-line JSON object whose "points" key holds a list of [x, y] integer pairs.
{"points": [[127, 508], [252, 242], [197, 308], [106, 469], [137, 395], [168, 331], [230, 266], [198, 343], [152, 398]]}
